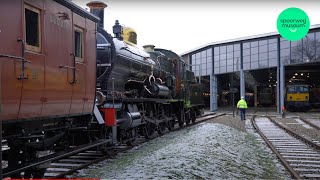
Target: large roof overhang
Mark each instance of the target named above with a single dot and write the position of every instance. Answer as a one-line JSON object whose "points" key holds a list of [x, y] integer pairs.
{"points": [[241, 39]]}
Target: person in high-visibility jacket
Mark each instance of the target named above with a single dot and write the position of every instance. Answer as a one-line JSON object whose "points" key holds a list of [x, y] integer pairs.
{"points": [[242, 106]]}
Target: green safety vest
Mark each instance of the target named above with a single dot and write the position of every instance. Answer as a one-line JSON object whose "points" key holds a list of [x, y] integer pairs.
{"points": [[242, 104]]}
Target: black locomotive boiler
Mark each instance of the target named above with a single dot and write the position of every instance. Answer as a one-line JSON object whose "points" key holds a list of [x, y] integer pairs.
{"points": [[148, 90]]}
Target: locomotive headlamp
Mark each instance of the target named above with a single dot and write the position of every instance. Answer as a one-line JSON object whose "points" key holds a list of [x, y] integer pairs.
{"points": [[118, 30], [100, 97]]}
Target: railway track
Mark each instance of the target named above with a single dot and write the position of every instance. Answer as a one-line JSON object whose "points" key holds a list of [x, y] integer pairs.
{"points": [[300, 156], [311, 119], [68, 165]]}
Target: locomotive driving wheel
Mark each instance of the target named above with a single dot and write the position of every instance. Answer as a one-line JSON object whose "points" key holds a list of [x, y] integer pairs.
{"points": [[193, 116], [162, 125], [170, 123], [150, 128], [181, 118], [188, 117]]}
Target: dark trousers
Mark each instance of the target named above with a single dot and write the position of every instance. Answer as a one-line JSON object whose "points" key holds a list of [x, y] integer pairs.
{"points": [[242, 113]]}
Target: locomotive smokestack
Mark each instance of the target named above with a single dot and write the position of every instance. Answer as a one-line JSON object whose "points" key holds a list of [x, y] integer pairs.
{"points": [[149, 48], [97, 8]]}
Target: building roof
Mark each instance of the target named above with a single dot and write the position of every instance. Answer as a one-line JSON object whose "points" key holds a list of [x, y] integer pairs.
{"points": [[241, 39]]}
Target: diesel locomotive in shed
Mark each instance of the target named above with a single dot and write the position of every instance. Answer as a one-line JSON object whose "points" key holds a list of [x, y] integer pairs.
{"points": [[67, 84]]}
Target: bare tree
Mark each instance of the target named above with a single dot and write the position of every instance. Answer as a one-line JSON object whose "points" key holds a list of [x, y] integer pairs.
{"points": [[305, 51]]}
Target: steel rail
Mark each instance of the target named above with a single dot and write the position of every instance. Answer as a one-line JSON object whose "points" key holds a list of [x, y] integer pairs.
{"points": [[294, 174], [53, 157], [308, 122], [309, 142], [121, 150]]}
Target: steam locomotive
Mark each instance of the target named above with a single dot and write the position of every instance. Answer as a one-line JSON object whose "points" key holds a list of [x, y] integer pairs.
{"points": [[67, 85]]}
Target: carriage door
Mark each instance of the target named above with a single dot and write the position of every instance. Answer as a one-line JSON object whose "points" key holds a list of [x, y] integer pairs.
{"points": [[58, 49], [79, 62], [33, 80], [10, 64]]}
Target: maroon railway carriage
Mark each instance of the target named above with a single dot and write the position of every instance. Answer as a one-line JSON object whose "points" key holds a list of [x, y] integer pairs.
{"points": [[47, 72], [57, 40]]}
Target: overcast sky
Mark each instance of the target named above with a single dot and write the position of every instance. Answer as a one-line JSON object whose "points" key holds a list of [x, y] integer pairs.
{"points": [[184, 25]]}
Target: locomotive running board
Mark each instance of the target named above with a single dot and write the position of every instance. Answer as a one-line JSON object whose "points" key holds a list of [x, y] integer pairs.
{"points": [[53, 157]]}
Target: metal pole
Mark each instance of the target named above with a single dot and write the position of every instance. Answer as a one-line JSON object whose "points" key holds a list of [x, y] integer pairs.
{"points": [[232, 95], [278, 77], [113, 92], [282, 84], [200, 73]]}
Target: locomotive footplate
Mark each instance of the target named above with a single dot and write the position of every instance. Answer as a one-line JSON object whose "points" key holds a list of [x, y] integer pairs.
{"points": [[163, 101]]}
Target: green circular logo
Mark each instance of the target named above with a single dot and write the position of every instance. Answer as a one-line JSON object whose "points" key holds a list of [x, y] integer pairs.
{"points": [[293, 24]]}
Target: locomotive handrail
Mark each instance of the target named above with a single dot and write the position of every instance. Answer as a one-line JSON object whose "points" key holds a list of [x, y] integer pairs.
{"points": [[68, 67], [104, 65], [14, 57], [22, 60], [74, 69]]}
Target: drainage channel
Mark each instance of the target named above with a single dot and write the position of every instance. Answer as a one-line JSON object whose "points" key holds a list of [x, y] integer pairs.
{"points": [[300, 156]]}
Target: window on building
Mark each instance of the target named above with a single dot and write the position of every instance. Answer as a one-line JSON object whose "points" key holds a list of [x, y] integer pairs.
{"points": [[246, 45], [216, 50], [273, 62], [263, 56], [273, 40], [229, 48], [246, 66], [273, 55], [254, 50], [209, 52], [254, 57], [263, 42], [216, 64], [230, 55], [236, 47], [216, 58], [203, 54], [223, 49], [273, 47], [229, 68], [263, 48], [254, 44], [222, 69], [78, 44], [246, 52], [216, 70], [32, 29], [246, 59], [229, 62]]}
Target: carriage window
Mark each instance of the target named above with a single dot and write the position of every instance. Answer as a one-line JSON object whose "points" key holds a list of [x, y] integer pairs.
{"points": [[32, 28], [78, 44]]}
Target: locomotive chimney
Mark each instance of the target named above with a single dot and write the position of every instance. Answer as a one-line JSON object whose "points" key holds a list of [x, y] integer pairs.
{"points": [[97, 8], [149, 48]]}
